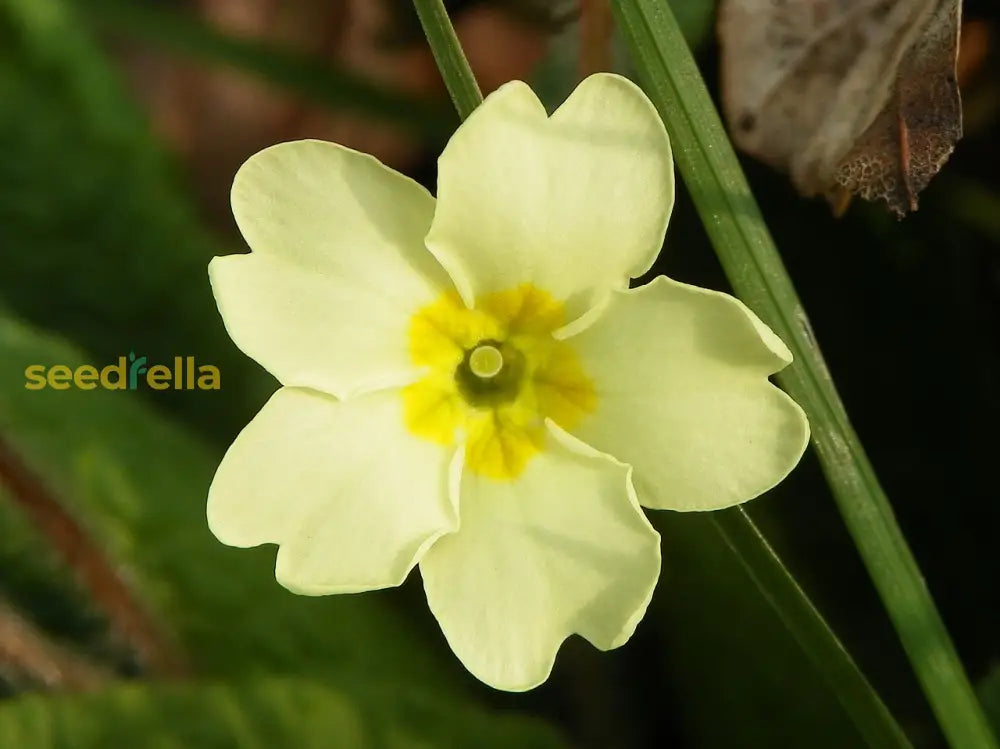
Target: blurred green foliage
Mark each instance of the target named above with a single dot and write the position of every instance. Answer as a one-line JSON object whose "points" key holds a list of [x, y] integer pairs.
{"points": [[258, 712], [96, 237], [989, 693]]}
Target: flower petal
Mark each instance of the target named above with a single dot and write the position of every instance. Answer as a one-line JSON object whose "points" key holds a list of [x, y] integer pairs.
{"points": [[353, 499], [683, 396], [563, 549], [574, 204], [337, 269]]}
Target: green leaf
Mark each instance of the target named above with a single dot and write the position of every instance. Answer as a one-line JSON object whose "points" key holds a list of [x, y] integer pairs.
{"points": [[989, 695], [695, 19], [138, 483], [805, 623], [738, 678], [265, 712], [96, 239], [733, 222]]}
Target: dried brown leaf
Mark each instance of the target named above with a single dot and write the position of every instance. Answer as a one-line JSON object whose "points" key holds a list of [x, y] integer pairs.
{"points": [[846, 96]]}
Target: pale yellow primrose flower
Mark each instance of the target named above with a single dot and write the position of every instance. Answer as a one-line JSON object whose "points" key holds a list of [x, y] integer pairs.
{"points": [[469, 384]]}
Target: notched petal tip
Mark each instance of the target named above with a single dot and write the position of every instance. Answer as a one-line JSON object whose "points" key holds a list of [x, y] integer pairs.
{"points": [[635, 117], [289, 573], [735, 326], [308, 474], [338, 266], [303, 199], [221, 523], [769, 338], [572, 444], [576, 203], [303, 150], [513, 95], [563, 550], [687, 400]]}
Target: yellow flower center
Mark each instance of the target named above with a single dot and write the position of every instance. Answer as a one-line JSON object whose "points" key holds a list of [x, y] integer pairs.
{"points": [[494, 374]]}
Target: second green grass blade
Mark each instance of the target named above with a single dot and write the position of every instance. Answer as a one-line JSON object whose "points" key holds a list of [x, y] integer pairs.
{"points": [[807, 625]]}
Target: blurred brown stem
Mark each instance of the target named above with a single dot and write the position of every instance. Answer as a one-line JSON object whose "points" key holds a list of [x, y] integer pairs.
{"points": [[27, 651], [596, 26], [92, 568]]}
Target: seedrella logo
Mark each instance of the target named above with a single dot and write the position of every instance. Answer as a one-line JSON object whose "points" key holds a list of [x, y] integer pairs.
{"points": [[128, 373]]}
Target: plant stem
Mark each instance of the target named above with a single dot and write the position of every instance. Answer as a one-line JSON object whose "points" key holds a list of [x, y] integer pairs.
{"points": [[92, 568], [765, 567], [448, 53], [26, 650], [733, 221]]}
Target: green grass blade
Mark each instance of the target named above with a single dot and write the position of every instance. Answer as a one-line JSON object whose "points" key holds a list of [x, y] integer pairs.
{"points": [[807, 625], [316, 80], [765, 567], [733, 221], [448, 53]]}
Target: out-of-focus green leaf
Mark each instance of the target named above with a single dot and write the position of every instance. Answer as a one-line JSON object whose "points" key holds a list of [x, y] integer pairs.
{"points": [[989, 695], [695, 18], [138, 482], [96, 240], [976, 205], [266, 713]]}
